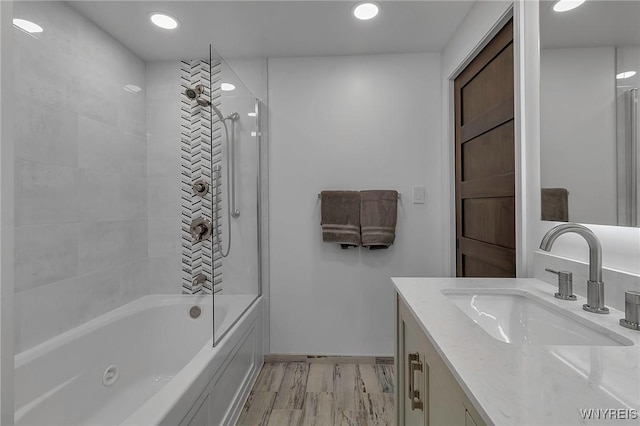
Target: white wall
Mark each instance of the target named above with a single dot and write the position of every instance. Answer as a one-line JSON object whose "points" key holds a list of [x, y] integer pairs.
{"points": [[80, 174], [578, 130], [363, 122]]}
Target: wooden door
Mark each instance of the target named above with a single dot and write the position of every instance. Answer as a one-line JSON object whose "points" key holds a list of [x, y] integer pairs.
{"points": [[485, 162]]}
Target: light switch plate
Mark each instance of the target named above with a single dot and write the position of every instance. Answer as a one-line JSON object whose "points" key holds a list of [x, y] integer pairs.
{"points": [[418, 194]]}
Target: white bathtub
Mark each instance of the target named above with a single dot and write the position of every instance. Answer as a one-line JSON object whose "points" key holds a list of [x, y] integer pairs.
{"points": [[167, 371]]}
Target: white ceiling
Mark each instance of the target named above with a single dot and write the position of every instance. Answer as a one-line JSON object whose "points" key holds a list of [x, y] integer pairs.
{"points": [[596, 23], [242, 29]]}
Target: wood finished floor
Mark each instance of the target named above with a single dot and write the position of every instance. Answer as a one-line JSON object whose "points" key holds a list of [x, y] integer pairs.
{"points": [[305, 394]]}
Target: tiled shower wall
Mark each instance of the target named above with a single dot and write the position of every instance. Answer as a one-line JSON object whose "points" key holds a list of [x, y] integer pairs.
{"points": [[179, 152], [200, 150], [81, 174]]}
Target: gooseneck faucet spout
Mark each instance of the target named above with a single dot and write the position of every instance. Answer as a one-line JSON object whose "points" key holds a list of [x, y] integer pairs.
{"points": [[595, 286]]}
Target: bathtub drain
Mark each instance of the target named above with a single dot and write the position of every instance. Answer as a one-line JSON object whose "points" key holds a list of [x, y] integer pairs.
{"points": [[110, 375], [195, 312]]}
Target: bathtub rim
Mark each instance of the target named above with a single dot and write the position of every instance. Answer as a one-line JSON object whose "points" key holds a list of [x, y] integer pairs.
{"points": [[133, 307]]}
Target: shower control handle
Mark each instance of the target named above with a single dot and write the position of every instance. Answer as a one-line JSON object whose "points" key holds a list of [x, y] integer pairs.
{"points": [[200, 188], [200, 229]]}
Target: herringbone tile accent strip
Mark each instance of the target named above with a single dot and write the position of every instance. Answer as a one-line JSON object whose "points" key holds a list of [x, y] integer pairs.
{"points": [[197, 150]]}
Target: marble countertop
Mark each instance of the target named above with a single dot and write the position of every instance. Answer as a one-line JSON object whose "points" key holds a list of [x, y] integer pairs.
{"points": [[526, 384]]}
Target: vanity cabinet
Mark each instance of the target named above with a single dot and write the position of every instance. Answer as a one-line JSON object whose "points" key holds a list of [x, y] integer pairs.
{"points": [[427, 393]]}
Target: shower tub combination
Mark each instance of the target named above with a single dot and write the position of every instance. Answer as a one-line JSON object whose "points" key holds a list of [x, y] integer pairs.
{"points": [[149, 362]]}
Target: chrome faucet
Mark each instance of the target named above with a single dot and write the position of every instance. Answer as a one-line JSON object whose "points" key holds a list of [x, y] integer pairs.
{"points": [[595, 286]]}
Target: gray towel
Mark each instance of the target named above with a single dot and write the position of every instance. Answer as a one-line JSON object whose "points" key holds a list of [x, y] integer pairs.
{"points": [[555, 204], [378, 217], [341, 217]]}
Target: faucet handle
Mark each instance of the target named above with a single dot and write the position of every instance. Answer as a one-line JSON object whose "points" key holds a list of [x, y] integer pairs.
{"points": [[565, 284], [631, 310]]}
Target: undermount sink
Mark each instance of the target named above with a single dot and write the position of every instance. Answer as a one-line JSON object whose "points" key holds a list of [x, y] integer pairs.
{"points": [[519, 318]]}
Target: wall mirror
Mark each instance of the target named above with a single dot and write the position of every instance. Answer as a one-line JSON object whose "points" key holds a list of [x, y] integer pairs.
{"points": [[589, 81]]}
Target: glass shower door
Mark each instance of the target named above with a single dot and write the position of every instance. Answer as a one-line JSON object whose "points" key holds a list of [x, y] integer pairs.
{"points": [[236, 165]]}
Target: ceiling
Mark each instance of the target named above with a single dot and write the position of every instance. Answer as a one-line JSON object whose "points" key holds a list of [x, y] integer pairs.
{"points": [[245, 29], [593, 24]]}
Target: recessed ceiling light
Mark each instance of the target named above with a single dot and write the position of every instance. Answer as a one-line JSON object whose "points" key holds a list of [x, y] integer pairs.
{"points": [[27, 26], [366, 11], [164, 21], [565, 5], [227, 87], [625, 74], [251, 114], [132, 88]]}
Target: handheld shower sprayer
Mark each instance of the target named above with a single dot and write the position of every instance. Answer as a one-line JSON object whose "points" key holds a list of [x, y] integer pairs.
{"points": [[195, 93]]}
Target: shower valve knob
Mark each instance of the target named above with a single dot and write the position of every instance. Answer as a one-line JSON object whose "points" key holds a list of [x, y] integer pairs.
{"points": [[200, 188], [200, 229]]}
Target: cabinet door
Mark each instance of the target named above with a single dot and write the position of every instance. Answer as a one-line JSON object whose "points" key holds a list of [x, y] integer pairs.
{"points": [[443, 401], [445, 408], [410, 347]]}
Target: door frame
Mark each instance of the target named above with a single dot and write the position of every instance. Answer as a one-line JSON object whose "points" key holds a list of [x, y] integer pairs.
{"points": [[525, 16]]}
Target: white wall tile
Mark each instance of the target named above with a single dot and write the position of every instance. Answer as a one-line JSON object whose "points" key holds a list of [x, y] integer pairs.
{"points": [[106, 245], [164, 197], [47, 311], [132, 114], [133, 154], [164, 237], [132, 201], [45, 193], [45, 254], [164, 275], [98, 146], [99, 195], [108, 149], [81, 144], [134, 280], [45, 63], [45, 133]]}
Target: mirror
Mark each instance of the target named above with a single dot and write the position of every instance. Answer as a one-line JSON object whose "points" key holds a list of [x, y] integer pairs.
{"points": [[589, 80]]}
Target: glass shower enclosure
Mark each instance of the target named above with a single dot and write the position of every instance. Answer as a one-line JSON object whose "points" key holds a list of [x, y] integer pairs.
{"points": [[221, 187]]}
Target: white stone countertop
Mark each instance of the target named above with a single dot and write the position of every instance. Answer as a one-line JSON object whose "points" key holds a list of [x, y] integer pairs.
{"points": [[527, 384]]}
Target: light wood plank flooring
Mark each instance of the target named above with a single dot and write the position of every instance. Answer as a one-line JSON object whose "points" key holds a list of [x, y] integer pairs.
{"points": [[321, 394]]}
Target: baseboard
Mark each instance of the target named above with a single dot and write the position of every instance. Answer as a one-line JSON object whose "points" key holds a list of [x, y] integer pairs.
{"points": [[329, 359]]}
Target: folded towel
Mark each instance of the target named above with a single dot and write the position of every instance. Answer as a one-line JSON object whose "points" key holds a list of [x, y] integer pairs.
{"points": [[378, 217], [341, 217], [555, 204]]}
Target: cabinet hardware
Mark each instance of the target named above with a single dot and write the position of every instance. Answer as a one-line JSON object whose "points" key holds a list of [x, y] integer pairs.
{"points": [[414, 394]]}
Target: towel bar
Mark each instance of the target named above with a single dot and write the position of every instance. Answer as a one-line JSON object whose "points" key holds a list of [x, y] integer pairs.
{"points": [[399, 195]]}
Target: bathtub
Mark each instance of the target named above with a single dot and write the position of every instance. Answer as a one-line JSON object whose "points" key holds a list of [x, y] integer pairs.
{"points": [[146, 363]]}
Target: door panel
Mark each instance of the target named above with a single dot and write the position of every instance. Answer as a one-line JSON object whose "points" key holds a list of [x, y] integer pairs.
{"points": [[492, 152], [490, 219], [489, 87], [485, 162]]}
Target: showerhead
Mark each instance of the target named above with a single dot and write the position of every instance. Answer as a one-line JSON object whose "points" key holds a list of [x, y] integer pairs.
{"points": [[194, 93]]}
